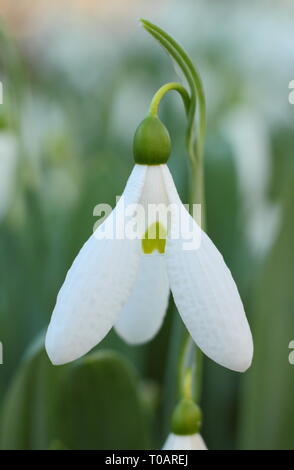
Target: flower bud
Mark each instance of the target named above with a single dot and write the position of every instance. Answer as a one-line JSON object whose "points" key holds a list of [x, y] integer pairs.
{"points": [[186, 419]]}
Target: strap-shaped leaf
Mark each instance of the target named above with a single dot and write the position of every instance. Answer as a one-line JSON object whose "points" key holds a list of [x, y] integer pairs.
{"points": [[82, 405]]}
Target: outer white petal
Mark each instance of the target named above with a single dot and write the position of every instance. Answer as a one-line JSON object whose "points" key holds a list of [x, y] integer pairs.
{"points": [[207, 297], [143, 313], [192, 442], [96, 286]]}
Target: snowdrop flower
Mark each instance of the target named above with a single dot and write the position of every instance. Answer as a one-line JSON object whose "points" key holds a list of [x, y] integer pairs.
{"points": [[125, 283], [187, 442]]}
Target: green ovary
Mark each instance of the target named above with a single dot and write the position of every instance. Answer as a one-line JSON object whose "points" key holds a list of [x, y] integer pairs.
{"points": [[154, 239]]}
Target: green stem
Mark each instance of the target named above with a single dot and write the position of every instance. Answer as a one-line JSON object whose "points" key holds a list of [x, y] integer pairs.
{"points": [[190, 369], [153, 109]]}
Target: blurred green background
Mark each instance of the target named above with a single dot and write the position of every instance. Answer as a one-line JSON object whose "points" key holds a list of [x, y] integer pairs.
{"points": [[77, 79]]}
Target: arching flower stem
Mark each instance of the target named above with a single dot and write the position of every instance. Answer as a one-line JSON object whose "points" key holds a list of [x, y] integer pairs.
{"points": [[153, 108]]}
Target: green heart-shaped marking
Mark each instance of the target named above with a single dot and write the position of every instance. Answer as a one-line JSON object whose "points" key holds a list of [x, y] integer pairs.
{"points": [[154, 239]]}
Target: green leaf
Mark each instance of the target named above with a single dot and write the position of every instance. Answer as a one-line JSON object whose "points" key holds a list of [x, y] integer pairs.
{"points": [[223, 226], [222, 198], [100, 406], [91, 404], [268, 405]]}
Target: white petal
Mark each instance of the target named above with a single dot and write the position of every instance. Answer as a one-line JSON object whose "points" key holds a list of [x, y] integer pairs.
{"points": [[190, 442], [143, 313], [154, 198], [96, 286], [207, 297], [154, 187]]}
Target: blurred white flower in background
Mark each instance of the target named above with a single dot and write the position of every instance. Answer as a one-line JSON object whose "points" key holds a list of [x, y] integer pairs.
{"points": [[43, 125], [40, 119], [8, 167], [249, 136]]}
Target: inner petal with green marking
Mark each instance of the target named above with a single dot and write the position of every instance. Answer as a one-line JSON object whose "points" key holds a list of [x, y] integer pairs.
{"points": [[154, 239]]}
